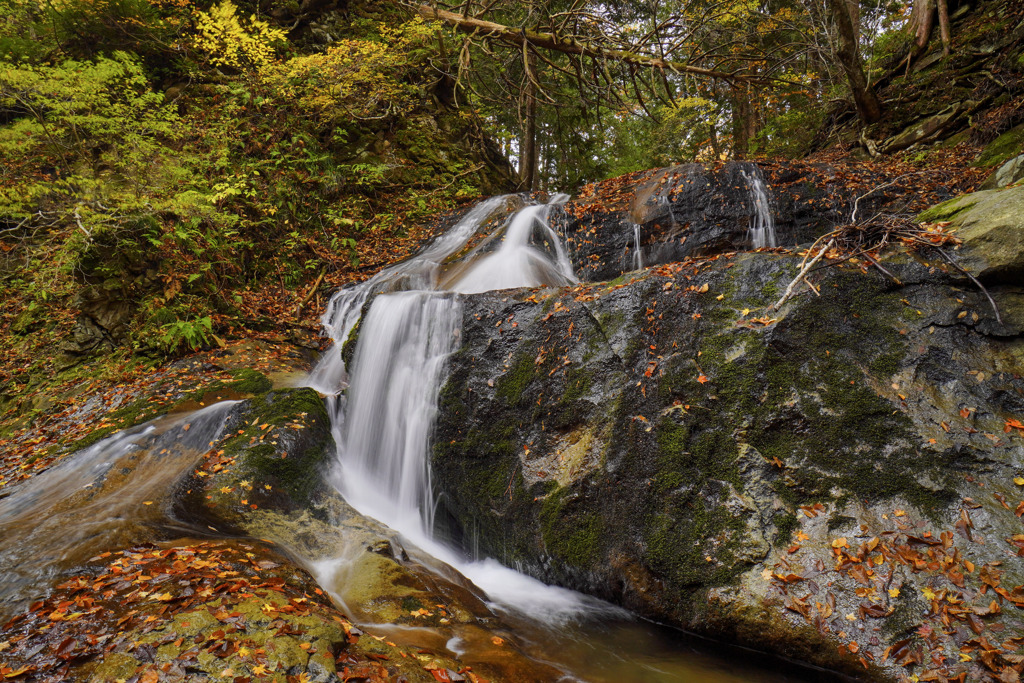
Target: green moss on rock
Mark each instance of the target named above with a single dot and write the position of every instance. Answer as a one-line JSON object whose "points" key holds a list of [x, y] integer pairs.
{"points": [[1003, 148], [571, 533]]}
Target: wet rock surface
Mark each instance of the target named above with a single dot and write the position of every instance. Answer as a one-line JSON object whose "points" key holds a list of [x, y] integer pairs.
{"points": [[202, 610], [838, 481], [702, 209]]}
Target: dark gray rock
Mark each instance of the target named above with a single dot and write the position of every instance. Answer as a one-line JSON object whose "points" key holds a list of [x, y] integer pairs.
{"points": [[704, 209], [794, 481]]}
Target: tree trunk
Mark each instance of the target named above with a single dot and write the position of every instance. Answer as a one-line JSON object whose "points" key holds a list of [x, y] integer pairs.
{"points": [[742, 115], [922, 20], [853, 8], [943, 11], [528, 149], [869, 108]]}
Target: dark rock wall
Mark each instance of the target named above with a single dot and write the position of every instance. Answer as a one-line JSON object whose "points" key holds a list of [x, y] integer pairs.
{"points": [[652, 440], [703, 209]]}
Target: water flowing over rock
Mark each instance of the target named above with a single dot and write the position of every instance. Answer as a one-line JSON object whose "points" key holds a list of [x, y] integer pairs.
{"points": [[829, 481], [662, 216]]}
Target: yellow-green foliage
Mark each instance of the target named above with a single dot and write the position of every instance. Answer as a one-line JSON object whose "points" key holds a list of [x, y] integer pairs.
{"points": [[354, 79], [229, 42], [85, 118]]}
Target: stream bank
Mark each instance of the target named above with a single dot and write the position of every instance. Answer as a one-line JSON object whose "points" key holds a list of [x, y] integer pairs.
{"points": [[834, 481]]}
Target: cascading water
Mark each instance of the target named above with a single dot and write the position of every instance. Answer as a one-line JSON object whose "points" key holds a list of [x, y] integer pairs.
{"points": [[762, 223], [383, 421], [55, 521], [638, 257], [392, 405]]}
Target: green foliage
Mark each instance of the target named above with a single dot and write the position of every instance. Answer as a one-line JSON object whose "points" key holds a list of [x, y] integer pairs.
{"points": [[230, 42], [355, 79], [791, 132], [84, 116], [179, 210], [190, 334]]}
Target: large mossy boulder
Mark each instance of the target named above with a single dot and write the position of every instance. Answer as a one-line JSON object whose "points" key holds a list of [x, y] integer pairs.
{"points": [[834, 481], [272, 457], [991, 225]]}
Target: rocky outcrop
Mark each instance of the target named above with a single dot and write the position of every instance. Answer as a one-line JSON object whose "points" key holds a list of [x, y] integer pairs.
{"points": [[274, 454], [989, 223], [267, 477], [703, 209], [838, 481]]}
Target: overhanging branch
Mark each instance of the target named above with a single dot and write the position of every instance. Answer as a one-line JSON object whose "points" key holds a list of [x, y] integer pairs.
{"points": [[566, 45]]}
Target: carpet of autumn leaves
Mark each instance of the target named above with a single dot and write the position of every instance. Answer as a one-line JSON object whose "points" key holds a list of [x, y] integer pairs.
{"points": [[203, 608], [957, 598]]}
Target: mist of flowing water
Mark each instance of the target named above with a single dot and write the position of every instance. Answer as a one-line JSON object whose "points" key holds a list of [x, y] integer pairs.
{"points": [[111, 494], [762, 223], [384, 420]]}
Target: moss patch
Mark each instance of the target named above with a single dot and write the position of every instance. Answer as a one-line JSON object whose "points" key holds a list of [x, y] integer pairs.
{"points": [[1002, 149], [571, 532], [947, 210]]}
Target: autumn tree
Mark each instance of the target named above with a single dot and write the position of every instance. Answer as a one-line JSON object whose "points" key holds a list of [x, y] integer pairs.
{"points": [[845, 14]]}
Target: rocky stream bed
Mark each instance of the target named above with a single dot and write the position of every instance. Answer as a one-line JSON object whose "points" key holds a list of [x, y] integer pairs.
{"points": [[838, 480]]}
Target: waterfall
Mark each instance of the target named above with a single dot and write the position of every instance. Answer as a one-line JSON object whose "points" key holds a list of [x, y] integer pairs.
{"points": [[383, 422], [762, 223], [638, 257], [392, 403]]}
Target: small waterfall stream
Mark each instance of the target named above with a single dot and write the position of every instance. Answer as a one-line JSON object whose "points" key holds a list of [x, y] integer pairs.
{"points": [[111, 494], [762, 223], [382, 423]]}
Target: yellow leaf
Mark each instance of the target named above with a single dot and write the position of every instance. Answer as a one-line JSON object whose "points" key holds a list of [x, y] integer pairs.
{"points": [[894, 592], [965, 657], [745, 311], [1019, 481], [928, 593]]}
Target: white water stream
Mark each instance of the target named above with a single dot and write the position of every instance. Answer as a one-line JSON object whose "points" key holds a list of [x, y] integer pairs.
{"points": [[762, 223], [383, 422]]}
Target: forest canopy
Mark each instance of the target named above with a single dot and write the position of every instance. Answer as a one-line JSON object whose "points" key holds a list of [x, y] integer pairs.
{"points": [[175, 170]]}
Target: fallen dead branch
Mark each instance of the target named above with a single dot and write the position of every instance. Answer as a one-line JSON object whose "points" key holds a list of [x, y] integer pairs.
{"points": [[866, 241]]}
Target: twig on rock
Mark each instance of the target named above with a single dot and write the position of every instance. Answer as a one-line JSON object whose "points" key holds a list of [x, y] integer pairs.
{"points": [[803, 271], [984, 291]]}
